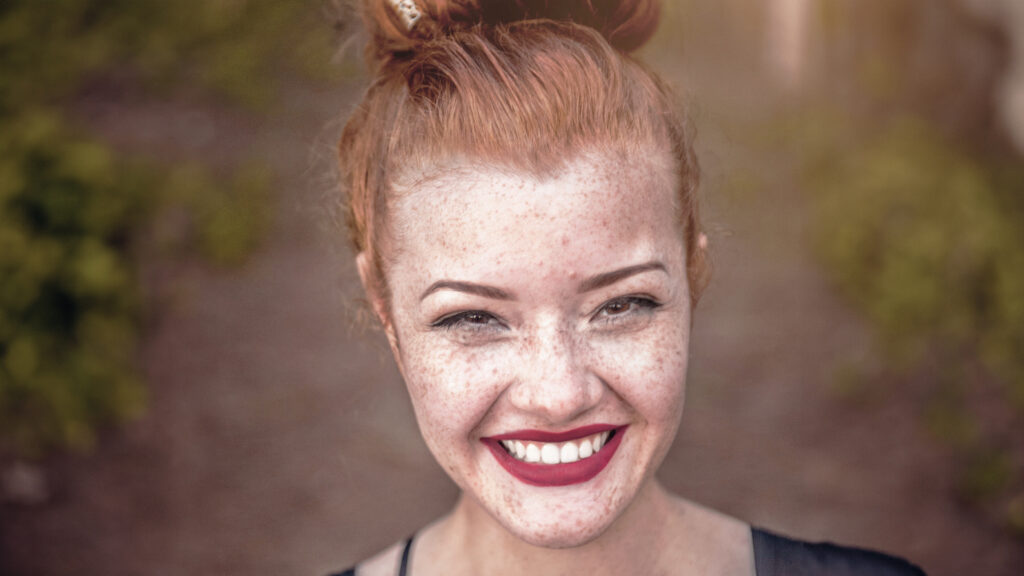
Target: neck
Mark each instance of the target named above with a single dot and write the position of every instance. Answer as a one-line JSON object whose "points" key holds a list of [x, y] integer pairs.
{"points": [[634, 543]]}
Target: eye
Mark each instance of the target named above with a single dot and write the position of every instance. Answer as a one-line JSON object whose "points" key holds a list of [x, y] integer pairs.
{"points": [[472, 320], [625, 307]]}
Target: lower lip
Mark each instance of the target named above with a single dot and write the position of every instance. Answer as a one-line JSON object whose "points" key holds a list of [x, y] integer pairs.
{"points": [[557, 474]]}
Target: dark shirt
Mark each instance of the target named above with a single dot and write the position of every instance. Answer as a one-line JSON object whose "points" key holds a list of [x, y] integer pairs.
{"points": [[776, 555]]}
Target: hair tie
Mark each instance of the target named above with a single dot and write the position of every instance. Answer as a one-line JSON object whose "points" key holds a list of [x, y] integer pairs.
{"points": [[407, 10]]}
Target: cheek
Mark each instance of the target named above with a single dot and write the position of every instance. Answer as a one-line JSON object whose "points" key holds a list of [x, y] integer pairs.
{"points": [[451, 391], [649, 374]]}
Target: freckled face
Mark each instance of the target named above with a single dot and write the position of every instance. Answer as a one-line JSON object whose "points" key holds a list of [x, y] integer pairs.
{"points": [[522, 307]]}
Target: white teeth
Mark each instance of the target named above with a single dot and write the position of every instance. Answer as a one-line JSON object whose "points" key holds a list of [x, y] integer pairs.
{"points": [[586, 450], [549, 454], [532, 453], [557, 453], [570, 453]]}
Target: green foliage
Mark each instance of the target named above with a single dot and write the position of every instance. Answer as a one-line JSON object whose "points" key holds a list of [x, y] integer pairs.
{"points": [[231, 46], [230, 215], [71, 209], [925, 237], [920, 223], [927, 241], [68, 301]]}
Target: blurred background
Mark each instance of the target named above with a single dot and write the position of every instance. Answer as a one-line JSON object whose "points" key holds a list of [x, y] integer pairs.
{"points": [[185, 387]]}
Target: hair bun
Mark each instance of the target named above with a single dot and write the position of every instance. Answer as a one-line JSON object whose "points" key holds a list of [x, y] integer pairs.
{"points": [[401, 25]]}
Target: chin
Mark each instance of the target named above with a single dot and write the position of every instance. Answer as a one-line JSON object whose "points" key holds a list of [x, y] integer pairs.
{"points": [[561, 541], [558, 536], [545, 527]]}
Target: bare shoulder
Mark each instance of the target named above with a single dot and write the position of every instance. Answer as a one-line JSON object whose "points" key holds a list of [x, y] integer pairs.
{"points": [[384, 563], [719, 524], [724, 544]]}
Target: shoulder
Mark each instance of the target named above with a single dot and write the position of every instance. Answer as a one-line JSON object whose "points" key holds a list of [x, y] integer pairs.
{"points": [[711, 540], [385, 563], [776, 555]]}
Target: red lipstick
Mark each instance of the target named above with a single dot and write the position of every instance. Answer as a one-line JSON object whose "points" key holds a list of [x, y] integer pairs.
{"points": [[565, 474]]}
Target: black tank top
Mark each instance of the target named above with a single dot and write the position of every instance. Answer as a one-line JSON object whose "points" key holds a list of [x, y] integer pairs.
{"points": [[776, 555]]}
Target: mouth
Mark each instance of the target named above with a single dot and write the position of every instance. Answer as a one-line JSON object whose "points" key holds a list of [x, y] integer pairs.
{"points": [[556, 459]]}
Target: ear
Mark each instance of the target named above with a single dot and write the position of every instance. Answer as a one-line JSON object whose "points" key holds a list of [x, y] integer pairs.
{"points": [[371, 286]]}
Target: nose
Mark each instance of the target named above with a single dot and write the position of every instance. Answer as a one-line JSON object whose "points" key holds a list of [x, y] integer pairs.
{"points": [[554, 380]]}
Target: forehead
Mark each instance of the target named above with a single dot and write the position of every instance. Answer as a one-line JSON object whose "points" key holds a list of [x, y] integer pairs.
{"points": [[596, 207]]}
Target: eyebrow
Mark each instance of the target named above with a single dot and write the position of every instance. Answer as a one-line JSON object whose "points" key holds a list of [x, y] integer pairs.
{"points": [[588, 285], [609, 278], [467, 287]]}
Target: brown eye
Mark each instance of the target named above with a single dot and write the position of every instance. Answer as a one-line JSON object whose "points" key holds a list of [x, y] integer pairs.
{"points": [[617, 307], [622, 308], [469, 320]]}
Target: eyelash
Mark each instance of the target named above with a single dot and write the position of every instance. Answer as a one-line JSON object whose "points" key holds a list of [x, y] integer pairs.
{"points": [[462, 320], [642, 304], [478, 320]]}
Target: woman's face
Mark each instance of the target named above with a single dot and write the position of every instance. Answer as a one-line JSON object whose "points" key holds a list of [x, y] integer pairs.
{"points": [[542, 327]]}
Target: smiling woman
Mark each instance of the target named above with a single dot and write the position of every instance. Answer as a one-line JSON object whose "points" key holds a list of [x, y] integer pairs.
{"points": [[521, 196], [575, 324]]}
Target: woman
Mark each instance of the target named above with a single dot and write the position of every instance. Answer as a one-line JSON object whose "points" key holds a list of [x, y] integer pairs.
{"points": [[521, 197]]}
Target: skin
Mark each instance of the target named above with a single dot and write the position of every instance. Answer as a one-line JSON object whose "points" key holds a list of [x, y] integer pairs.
{"points": [[527, 303]]}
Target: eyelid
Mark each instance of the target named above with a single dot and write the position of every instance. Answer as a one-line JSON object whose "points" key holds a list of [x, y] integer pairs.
{"points": [[645, 301], [457, 319]]}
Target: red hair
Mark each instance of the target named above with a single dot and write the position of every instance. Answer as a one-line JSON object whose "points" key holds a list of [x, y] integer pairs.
{"points": [[528, 84]]}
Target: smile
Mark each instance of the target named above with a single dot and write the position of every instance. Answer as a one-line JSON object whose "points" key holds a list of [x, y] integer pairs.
{"points": [[556, 459], [551, 453]]}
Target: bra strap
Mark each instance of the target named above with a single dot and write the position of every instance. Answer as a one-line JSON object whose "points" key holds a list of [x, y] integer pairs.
{"points": [[404, 566]]}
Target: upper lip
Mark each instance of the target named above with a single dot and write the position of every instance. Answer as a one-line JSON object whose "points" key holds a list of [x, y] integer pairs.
{"points": [[545, 436]]}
